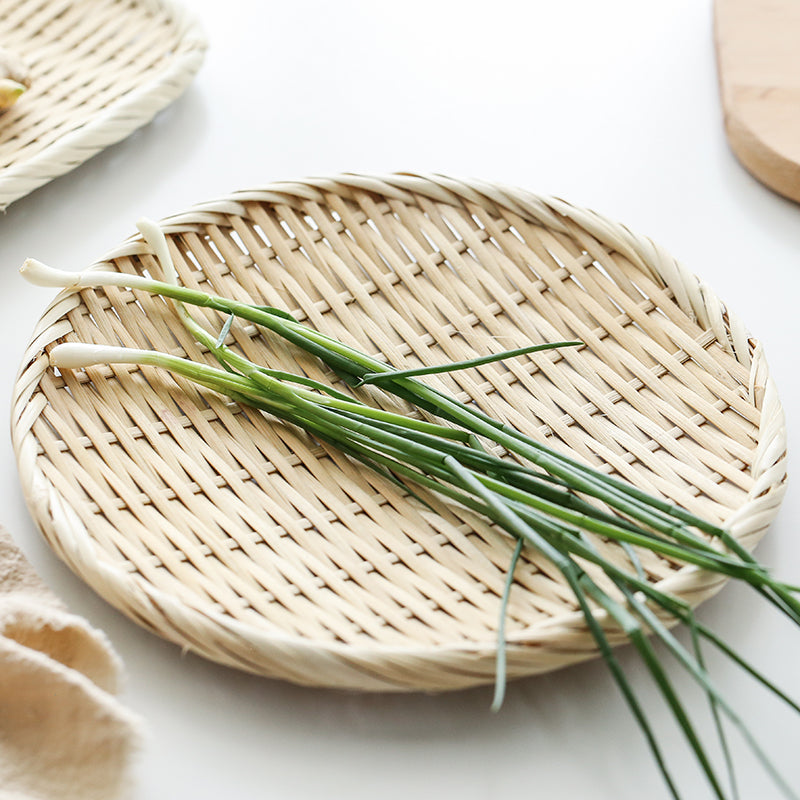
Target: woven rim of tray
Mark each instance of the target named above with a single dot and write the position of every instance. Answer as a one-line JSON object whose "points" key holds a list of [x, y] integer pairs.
{"points": [[238, 538], [100, 69]]}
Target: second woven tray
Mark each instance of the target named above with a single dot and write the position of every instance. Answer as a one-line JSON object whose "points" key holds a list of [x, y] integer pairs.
{"points": [[100, 69], [237, 537]]}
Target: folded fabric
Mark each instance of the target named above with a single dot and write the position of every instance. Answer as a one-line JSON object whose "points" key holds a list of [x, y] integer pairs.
{"points": [[63, 733]]}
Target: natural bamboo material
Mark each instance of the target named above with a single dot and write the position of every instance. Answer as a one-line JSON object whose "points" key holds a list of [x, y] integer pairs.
{"points": [[237, 537], [99, 69]]}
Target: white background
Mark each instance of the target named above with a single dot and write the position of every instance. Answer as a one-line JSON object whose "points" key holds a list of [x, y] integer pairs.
{"points": [[610, 105]]}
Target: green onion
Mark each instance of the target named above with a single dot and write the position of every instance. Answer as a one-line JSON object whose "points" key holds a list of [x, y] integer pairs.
{"points": [[549, 503]]}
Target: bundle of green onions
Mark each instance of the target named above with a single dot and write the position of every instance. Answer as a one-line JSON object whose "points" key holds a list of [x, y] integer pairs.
{"points": [[556, 505]]}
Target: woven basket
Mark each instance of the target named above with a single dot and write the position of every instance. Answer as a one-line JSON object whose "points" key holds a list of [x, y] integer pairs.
{"points": [[100, 69], [235, 536]]}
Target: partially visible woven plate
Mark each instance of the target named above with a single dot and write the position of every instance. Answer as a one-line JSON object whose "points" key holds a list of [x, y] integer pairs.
{"points": [[100, 69], [235, 536]]}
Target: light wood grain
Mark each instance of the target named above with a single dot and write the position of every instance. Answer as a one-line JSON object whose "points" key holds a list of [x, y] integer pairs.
{"points": [[758, 56]]}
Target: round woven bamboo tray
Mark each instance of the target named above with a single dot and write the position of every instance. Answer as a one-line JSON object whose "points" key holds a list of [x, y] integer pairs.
{"points": [[236, 537], [100, 69]]}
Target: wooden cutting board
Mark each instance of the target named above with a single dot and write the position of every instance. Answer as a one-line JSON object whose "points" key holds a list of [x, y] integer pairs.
{"points": [[758, 57]]}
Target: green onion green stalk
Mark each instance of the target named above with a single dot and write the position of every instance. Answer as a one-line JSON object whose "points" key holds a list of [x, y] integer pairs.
{"points": [[545, 500]]}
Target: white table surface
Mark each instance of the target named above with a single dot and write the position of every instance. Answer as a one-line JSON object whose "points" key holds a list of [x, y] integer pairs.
{"points": [[610, 105]]}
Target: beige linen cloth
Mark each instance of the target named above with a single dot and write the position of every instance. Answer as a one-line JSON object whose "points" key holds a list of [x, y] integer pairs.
{"points": [[63, 733]]}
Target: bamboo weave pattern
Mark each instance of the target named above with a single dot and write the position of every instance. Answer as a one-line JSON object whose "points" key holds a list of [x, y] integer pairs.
{"points": [[239, 538], [100, 69]]}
